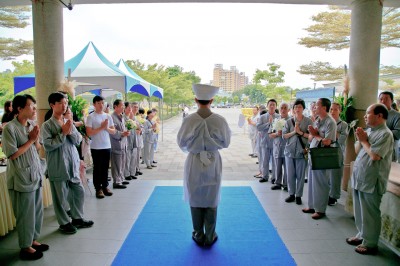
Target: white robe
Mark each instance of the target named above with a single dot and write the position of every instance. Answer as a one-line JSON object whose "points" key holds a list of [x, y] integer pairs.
{"points": [[202, 138]]}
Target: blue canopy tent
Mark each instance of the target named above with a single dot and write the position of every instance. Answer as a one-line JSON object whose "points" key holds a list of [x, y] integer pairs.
{"points": [[90, 66], [150, 88]]}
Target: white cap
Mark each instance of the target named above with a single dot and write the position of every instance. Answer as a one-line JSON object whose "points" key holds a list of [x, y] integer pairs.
{"points": [[204, 92]]}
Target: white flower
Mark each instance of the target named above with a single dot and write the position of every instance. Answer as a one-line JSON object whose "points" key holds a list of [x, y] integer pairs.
{"points": [[278, 124], [130, 124]]}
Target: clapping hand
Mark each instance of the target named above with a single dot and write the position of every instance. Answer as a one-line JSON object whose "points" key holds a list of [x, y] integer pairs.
{"points": [[67, 127], [361, 134], [104, 124], [313, 131], [34, 134]]}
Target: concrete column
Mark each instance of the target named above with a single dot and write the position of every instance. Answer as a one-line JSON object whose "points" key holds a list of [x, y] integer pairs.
{"points": [[48, 45], [365, 45]]}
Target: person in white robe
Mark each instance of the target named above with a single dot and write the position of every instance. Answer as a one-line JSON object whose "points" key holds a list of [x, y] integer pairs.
{"points": [[202, 134]]}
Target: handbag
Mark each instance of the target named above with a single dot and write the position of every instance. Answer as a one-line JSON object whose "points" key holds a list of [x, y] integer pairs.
{"points": [[323, 158]]}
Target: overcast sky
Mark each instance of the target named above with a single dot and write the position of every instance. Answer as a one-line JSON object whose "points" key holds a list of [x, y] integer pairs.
{"points": [[197, 36]]}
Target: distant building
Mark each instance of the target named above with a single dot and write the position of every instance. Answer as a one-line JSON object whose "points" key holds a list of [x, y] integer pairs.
{"points": [[229, 80]]}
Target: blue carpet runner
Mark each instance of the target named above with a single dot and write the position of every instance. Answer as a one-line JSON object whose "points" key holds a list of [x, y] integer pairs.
{"points": [[162, 233]]}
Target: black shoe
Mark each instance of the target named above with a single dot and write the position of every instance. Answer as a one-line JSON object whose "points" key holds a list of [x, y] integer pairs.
{"points": [[142, 162], [154, 162], [285, 188], [25, 255], [305, 180], [82, 223], [125, 183], [209, 244], [139, 173], [149, 167], [251, 154], [69, 213], [68, 229], [128, 178], [109, 178], [298, 201], [254, 156], [272, 181], [119, 186], [133, 177], [270, 171], [256, 162], [332, 201], [42, 247], [262, 180], [291, 198], [153, 165], [276, 187]]}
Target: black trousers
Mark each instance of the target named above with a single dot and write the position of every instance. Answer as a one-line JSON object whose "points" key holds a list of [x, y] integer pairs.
{"points": [[101, 161]]}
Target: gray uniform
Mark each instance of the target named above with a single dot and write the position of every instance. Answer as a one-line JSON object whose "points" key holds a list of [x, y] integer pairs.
{"points": [[393, 123], [294, 157], [63, 170], [24, 177], [140, 146], [131, 161], [335, 179], [318, 182], [266, 143], [280, 173], [369, 182], [148, 139], [118, 149]]}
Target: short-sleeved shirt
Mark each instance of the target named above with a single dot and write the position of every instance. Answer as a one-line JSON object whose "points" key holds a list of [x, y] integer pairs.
{"points": [[101, 140], [293, 147], [279, 144], [24, 174], [264, 127], [393, 123], [342, 133], [369, 175], [327, 130], [61, 153]]}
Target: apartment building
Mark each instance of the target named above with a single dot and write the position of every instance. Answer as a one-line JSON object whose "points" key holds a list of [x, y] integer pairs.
{"points": [[229, 80]]}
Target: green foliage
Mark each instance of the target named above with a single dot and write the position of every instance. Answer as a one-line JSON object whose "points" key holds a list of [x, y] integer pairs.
{"points": [[7, 80], [322, 71], [177, 83], [331, 29], [14, 17], [345, 107]]}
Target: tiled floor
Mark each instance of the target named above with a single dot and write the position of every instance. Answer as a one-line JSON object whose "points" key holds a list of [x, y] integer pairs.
{"points": [[310, 242]]}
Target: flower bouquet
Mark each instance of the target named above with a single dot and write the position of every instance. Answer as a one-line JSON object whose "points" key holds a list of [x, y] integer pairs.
{"points": [[278, 124], [130, 124]]}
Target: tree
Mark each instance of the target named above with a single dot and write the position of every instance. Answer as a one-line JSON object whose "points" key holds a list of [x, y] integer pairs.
{"points": [[14, 17], [331, 30], [7, 80]]}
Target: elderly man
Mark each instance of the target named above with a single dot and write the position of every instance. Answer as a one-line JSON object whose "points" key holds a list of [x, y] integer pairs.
{"points": [[370, 174], [202, 134], [324, 132], [393, 120]]}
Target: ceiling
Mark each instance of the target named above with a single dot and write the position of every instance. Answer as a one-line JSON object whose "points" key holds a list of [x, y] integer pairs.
{"points": [[389, 3]]}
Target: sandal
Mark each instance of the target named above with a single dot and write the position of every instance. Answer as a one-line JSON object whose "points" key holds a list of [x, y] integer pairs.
{"points": [[366, 250], [354, 241], [318, 215]]}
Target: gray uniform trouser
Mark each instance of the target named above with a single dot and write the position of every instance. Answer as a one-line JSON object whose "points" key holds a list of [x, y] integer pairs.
{"points": [[131, 162], [148, 153], [318, 190], [118, 167], [139, 153], [204, 222], [267, 156], [28, 210], [367, 216], [280, 171], [74, 193], [335, 182], [260, 156], [296, 170]]}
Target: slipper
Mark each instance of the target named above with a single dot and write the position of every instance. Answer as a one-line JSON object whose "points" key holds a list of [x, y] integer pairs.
{"points": [[354, 241], [366, 250]]}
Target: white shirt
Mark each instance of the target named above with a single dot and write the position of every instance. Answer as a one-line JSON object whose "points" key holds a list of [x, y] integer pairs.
{"points": [[101, 140]]}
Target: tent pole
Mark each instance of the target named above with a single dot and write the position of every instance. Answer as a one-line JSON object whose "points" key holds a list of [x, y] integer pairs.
{"points": [[160, 107]]}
